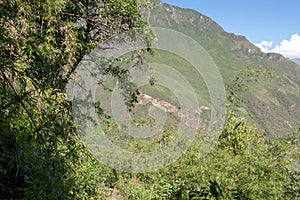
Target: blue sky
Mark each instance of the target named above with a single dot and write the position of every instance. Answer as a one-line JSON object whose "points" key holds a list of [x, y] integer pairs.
{"points": [[268, 23]]}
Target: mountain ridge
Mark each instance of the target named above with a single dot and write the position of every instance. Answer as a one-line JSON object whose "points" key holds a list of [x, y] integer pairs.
{"points": [[273, 105], [296, 60]]}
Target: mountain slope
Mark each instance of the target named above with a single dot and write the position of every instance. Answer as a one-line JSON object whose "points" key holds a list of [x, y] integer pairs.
{"points": [[273, 104], [296, 60]]}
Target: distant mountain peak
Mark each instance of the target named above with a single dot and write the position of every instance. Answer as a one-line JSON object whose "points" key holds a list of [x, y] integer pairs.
{"points": [[296, 60]]}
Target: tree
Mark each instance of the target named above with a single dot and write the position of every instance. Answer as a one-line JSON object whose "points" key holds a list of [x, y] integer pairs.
{"points": [[242, 165], [41, 44]]}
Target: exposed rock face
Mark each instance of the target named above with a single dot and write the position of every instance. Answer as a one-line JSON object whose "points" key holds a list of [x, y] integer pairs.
{"points": [[163, 105], [190, 117], [275, 56]]}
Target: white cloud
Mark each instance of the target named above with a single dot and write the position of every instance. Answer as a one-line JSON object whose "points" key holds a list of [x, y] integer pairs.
{"points": [[265, 46], [288, 48]]}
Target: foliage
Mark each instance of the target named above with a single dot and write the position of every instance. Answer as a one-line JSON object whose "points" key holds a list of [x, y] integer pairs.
{"points": [[241, 166], [242, 81], [42, 43], [41, 156]]}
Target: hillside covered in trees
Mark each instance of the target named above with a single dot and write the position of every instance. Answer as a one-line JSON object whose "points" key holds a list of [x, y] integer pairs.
{"points": [[42, 152]]}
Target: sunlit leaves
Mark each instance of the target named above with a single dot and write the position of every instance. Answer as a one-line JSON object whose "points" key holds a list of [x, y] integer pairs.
{"points": [[242, 165], [41, 44]]}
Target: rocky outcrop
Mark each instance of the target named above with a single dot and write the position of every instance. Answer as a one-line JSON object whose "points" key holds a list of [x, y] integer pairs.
{"points": [[190, 117]]}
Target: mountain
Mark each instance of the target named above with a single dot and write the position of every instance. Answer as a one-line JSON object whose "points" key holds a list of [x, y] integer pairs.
{"points": [[296, 60], [273, 104]]}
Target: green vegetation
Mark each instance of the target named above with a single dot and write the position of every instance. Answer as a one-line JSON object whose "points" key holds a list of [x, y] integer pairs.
{"points": [[42, 43], [276, 109], [241, 166], [42, 156]]}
